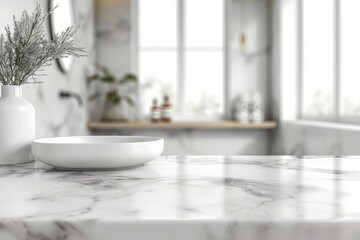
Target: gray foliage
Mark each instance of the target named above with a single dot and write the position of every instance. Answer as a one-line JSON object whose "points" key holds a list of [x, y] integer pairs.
{"points": [[25, 49]]}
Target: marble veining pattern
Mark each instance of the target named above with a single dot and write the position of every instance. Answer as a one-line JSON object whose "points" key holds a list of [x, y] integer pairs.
{"points": [[197, 197]]}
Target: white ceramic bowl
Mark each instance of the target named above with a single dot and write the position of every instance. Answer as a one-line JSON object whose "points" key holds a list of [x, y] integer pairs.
{"points": [[97, 152]]}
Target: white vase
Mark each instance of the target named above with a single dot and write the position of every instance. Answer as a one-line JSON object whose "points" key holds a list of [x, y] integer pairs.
{"points": [[17, 126]]}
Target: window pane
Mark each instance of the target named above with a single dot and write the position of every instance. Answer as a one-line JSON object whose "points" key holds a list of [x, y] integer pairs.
{"points": [[350, 50], [318, 58], [157, 71], [288, 37], [158, 23], [204, 20], [204, 83]]}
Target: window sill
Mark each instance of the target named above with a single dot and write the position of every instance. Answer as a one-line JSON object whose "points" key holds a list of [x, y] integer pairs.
{"points": [[181, 125], [321, 124]]}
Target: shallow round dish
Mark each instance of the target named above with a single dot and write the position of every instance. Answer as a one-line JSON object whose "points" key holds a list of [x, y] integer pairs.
{"points": [[97, 152]]}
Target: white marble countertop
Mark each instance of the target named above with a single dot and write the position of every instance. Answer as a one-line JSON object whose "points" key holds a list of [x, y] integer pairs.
{"points": [[202, 197]]}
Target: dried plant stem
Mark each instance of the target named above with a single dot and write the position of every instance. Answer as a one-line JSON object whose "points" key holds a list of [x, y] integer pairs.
{"points": [[25, 50]]}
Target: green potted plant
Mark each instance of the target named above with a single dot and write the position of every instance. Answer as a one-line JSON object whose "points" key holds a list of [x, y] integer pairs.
{"points": [[115, 101]]}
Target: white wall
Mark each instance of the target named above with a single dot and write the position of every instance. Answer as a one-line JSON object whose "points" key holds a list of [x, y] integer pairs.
{"points": [[205, 142], [55, 116], [250, 70], [312, 138], [113, 31]]}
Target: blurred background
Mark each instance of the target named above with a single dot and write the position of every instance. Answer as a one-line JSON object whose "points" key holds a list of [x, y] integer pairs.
{"points": [[210, 76]]}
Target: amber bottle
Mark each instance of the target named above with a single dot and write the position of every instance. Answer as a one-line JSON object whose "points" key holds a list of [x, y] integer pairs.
{"points": [[166, 110], [155, 111]]}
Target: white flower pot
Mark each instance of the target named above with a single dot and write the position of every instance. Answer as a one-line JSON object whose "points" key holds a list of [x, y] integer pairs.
{"points": [[17, 126], [115, 112]]}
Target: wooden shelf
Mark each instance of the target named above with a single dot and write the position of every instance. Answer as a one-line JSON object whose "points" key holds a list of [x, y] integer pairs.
{"points": [[181, 125]]}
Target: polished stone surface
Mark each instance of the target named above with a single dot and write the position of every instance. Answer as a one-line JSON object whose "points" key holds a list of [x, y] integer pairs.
{"points": [[202, 197]]}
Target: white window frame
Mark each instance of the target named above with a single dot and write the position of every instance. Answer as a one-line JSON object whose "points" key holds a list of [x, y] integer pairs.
{"points": [[337, 64], [179, 114]]}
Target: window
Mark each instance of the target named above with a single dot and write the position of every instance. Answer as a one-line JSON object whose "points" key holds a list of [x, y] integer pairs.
{"points": [[329, 49], [318, 57], [349, 55], [180, 53]]}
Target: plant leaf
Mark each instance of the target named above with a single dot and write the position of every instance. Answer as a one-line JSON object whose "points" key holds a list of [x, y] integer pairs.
{"points": [[113, 97], [107, 78], [128, 78]]}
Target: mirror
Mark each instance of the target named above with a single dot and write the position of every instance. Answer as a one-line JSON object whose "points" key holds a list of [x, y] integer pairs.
{"points": [[59, 21]]}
